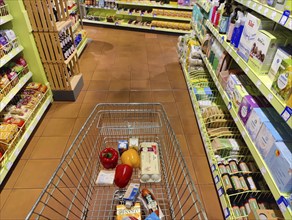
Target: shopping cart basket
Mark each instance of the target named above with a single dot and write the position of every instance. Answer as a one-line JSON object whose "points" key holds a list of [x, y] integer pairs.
{"points": [[72, 192]]}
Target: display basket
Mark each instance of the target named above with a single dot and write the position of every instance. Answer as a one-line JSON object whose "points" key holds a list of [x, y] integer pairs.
{"points": [[72, 192]]}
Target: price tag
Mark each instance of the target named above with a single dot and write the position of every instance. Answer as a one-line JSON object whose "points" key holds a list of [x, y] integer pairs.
{"points": [[263, 170], [9, 165], [11, 55], [266, 12], [248, 3], [237, 59], [273, 15], [286, 114], [254, 5], [1, 21], [243, 134], [216, 179], [290, 24], [220, 191], [270, 97], [26, 136], [284, 17], [236, 119], [226, 213], [260, 8], [283, 204], [213, 168], [222, 40], [223, 96], [152, 28], [259, 83], [17, 151], [246, 70]]}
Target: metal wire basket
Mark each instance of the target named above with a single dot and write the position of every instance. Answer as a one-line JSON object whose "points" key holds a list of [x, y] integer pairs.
{"points": [[72, 193]]}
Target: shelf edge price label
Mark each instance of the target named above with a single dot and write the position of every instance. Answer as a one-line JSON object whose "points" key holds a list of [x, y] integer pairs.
{"points": [[246, 70], [254, 5], [273, 15], [283, 204], [270, 97], [260, 8], [9, 165], [263, 170], [266, 12], [284, 18], [287, 113], [213, 168], [220, 191], [259, 83], [216, 179], [226, 212]]}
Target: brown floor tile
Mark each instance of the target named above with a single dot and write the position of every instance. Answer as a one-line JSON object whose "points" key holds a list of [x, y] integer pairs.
{"points": [[185, 109], [154, 68], [49, 148], [3, 197], [189, 125], [141, 96], [158, 76], [95, 96], [183, 145], [80, 97], [202, 170], [163, 96], [19, 203], [178, 84], [59, 127], [121, 96], [140, 85], [195, 144], [86, 109], [50, 111], [140, 75], [212, 206], [101, 75], [66, 110], [41, 127], [78, 125], [176, 125], [28, 148], [160, 85], [190, 167], [14, 174], [36, 173], [119, 85], [120, 74], [175, 75], [171, 109], [85, 85], [96, 85], [181, 96]]}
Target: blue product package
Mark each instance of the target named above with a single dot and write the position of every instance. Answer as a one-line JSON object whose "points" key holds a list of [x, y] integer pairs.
{"points": [[279, 161], [152, 216]]}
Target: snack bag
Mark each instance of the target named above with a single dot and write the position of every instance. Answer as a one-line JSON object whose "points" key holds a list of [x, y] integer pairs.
{"points": [[133, 213]]}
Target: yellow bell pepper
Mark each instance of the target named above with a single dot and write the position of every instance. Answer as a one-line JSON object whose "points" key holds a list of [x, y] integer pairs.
{"points": [[131, 158]]}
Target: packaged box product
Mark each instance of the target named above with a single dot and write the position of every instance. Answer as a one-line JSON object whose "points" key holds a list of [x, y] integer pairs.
{"points": [[122, 146], [255, 121], [134, 143], [282, 84], [239, 93], [248, 37], [279, 161], [282, 53], [133, 213], [264, 49], [283, 5], [245, 108], [231, 82], [223, 78], [266, 138], [269, 214], [227, 146], [249, 85]]}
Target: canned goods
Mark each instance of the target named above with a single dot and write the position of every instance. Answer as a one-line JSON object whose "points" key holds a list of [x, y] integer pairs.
{"points": [[243, 211], [222, 168], [251, 183], [227, 183], [236, 211], [243, 183], [243, 167], [253, 203], [228, 170], [233, 166], [236, 183], [247, 207]]}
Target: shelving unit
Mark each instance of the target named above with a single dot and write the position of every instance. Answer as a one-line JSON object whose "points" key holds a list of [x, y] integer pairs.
{"points": [[263, 82], [267, 11], [124, 17], [135, 26], [18, 21]]}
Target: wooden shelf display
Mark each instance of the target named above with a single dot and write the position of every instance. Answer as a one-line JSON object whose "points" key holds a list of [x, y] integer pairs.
{"points": [[49, 21]]}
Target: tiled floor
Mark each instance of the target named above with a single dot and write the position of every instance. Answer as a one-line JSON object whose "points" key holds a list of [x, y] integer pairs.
{"points": [[118, 66]]}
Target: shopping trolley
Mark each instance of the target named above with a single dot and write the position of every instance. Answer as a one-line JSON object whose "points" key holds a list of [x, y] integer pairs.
{"points": [[72, 192]]}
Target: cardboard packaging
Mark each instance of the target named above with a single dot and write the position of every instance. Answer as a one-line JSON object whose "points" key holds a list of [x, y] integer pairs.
{"points": [[255, 121], [282, 53], [245, 108], [279, 161], [252, 25], [269, 214], [264, 49], [239, 93]]}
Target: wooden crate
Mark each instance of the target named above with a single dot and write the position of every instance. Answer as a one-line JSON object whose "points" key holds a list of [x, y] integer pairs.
{"points": [[47, 15]]}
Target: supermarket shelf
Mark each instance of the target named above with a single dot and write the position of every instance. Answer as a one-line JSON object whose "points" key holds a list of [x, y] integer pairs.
{"points": [[198, 35], [204, 4], [267, 11], [75, 26], [156, 5], [262, 82], [63, 25], [70, 57], [22, 81], [5, 59], [137, 27], [5, 19], [287, 213], [81, 46], [157, 16], [208, 148], [4, 170], [97, 7]]}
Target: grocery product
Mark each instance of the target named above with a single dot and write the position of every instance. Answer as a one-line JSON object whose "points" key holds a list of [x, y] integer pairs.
{"points": [[109, 158], [122, 146], [150, 201], [123, 175], [131, 194], [132, 213], [131, 158]]}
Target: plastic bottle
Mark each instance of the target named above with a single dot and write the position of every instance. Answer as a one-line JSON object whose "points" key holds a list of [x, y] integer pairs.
{"points": [[236, 28], [224, 21], [240, 30], [216, 5], [218, 14], [211, 10], [231, 24]]}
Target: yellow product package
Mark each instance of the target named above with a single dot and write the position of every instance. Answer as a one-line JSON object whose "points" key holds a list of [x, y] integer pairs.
{"points": [[134, 212]]}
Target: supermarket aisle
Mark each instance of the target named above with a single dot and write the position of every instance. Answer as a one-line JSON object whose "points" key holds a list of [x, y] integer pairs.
{"points": [[118, 66]]}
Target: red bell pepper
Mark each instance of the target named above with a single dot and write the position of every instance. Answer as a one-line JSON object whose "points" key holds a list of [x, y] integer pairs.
{"points": [[109, 158], [123, 175]]}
